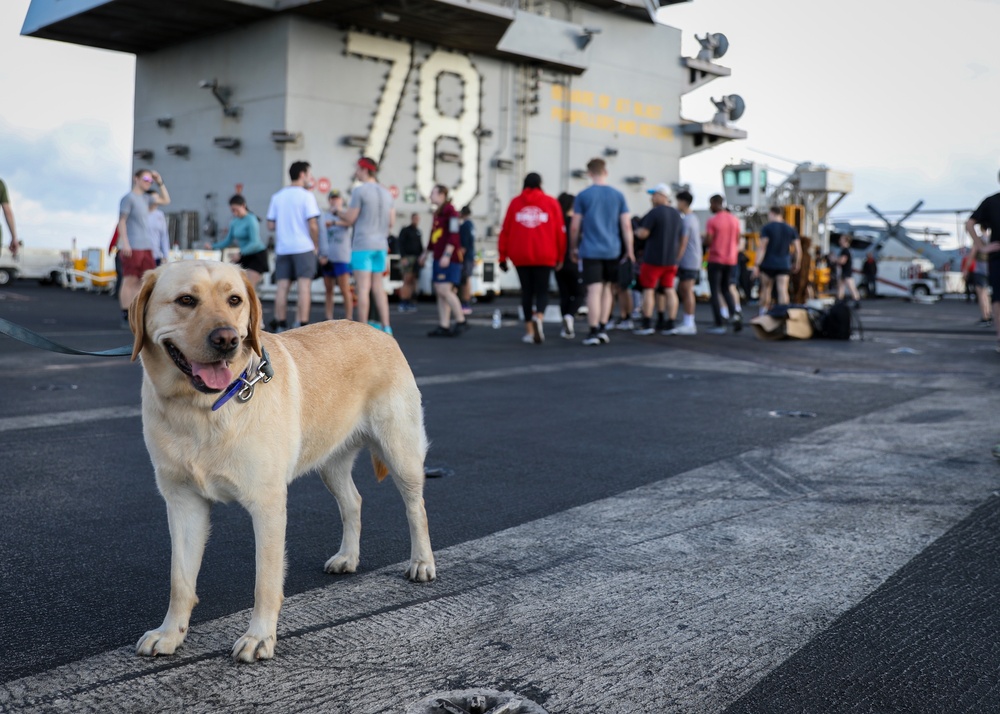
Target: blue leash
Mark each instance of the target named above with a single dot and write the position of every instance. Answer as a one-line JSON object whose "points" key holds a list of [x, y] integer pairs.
{"points": [[242, 388], [22, 334]]}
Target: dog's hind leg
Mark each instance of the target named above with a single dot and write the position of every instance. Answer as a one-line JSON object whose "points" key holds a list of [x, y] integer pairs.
{"points": [[188, 517], [402, 444], [336, 474]]}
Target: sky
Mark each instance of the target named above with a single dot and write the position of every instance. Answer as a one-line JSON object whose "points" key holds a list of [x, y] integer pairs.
{"points": [[905, 100]]}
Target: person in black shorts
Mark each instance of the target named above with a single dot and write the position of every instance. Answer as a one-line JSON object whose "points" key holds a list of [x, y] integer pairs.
{"points": [[846, 282], [986, 220], [778, 242]]}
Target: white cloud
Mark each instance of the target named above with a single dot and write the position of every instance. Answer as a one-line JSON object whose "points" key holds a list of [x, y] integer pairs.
{"points": [[65, 136]]}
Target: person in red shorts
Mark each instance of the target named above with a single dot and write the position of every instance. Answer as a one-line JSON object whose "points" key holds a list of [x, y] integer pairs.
{"points": [[135, 240], [662, 229]]}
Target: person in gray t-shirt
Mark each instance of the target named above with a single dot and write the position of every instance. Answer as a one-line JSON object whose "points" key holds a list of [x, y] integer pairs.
{"points": [[371, 228], [370, 213], [689, 265], [135, 242]]}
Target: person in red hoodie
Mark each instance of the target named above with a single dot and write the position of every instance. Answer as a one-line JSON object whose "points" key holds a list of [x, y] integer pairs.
{"points": [[533, 237]]}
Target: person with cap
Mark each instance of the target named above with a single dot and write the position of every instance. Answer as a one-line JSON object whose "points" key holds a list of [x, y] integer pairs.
{"points": [[335, 256], [722, 236], [778, 242], [533, 237], [293, 215], [600, 224], [662, 229], [371, 215]]}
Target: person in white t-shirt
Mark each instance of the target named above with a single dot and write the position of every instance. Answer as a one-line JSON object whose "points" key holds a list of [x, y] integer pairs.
{"points": [[294, 217]]}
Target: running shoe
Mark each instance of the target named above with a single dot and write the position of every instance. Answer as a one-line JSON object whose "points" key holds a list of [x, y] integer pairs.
{"points": [[441, 332], [683, 330], [737, 322], [643, 331], [592, 339], [716, 330], [567, 332], [539, 330], [528, 339], [603, 337]]}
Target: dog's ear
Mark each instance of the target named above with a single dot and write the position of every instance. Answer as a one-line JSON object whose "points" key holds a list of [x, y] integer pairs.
{"points": [[256, 316], [137, 312]]}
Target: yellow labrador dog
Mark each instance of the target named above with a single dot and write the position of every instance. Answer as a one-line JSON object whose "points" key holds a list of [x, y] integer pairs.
{"points": [[336, 388]]}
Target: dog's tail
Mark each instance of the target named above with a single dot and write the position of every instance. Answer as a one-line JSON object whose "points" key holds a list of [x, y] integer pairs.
{"points": [[381, 470]]}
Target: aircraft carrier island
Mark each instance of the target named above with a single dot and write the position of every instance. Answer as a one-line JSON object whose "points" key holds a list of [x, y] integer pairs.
{"points": [[471, 94]]}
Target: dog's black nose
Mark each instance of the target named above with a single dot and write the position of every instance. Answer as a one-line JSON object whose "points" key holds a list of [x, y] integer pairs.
{"points": [[224, 339]]}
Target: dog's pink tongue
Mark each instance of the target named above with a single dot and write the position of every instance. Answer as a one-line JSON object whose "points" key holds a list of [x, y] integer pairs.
{"points": [[215, 375]]}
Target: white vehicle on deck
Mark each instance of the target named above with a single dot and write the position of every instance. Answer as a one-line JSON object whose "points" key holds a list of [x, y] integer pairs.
{"points": [[40, 264], [906, 267]]}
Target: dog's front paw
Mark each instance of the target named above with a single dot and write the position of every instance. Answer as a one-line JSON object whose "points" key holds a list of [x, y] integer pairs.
{"points": [[251, 648], [159, 642], [421, 571], [341, 563]]}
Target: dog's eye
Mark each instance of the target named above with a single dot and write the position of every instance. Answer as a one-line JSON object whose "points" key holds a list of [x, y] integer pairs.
{"points": [[235, 300], [186, 301]]}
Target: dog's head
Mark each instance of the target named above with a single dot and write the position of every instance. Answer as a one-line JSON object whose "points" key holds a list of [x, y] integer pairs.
{"points": [[202, 316]]}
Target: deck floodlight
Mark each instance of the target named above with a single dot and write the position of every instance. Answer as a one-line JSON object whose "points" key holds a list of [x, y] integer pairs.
{"points": [[222, 94], [227, 142]]}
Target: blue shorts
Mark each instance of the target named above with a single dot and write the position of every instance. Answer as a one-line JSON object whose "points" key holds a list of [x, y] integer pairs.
{"points": [[452, 274], [335, 270], [372, 261]]}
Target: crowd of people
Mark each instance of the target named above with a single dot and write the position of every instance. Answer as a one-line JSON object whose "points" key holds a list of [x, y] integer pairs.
{"points": [[601, 255], [597, 250]]}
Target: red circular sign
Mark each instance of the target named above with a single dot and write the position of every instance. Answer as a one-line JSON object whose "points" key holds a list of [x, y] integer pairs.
{"points": [[323, 185], [394, 190]]}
